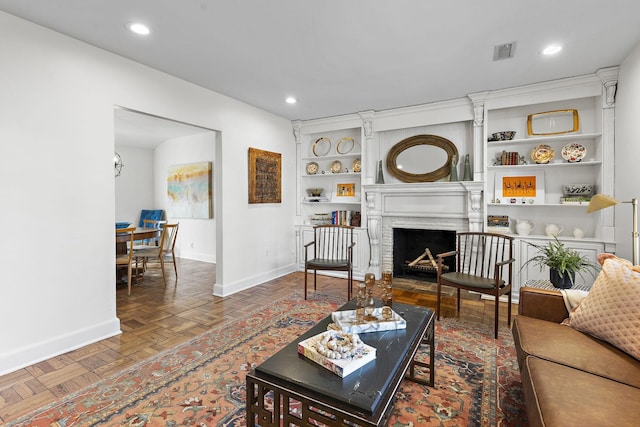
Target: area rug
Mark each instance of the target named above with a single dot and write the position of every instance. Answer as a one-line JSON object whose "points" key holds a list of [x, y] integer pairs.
{"points": [[202, 382]]}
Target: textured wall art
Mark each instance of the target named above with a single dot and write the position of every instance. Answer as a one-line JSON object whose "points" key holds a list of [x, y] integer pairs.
{"points": [[189, 190], [265, 169]]}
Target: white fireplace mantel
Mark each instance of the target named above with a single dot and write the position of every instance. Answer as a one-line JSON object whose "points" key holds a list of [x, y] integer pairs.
{"points": [[456, 206]]}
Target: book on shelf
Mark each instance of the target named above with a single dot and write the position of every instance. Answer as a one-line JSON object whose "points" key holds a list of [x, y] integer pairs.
{"points": [[340, 367], [498, 221], [510, 158], [319, 199], [575, 200], [344, 217]]}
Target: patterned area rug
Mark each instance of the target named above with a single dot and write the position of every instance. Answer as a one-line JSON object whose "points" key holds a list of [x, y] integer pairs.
{"points": [[202, 382]]}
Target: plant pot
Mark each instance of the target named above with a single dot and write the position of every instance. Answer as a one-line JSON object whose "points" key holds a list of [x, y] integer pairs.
{"points": [[561, 281]]}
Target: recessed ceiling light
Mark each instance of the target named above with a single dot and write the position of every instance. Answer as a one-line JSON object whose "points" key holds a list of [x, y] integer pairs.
{"points": [[139, 28], [291, 100], [552, 49]]}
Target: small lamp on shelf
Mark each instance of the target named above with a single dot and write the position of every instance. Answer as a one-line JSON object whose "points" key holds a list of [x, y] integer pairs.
{"points": [[602, 201]]}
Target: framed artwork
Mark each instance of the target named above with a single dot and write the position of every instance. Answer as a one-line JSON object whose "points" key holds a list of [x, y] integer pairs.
{"points": [[518, 187], [265, 175], [189, 190], [346, 190]]}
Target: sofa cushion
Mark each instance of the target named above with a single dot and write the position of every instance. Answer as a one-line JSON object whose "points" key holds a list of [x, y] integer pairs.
{"points": [[562, 344], [557, 395], [611, 310]]}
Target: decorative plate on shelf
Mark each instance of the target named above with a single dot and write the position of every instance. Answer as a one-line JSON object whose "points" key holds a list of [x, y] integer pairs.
{"points": [[574, 152], [357, 166], [542, 153], [336, 166], [312, 168], [321, 147], [345, 145]]}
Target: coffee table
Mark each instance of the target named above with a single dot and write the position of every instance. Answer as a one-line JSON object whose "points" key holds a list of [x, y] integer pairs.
{"points": [[289, 389]]}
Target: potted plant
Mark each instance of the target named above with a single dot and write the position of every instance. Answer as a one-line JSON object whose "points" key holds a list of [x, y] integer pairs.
{"points": [[563, 263]]}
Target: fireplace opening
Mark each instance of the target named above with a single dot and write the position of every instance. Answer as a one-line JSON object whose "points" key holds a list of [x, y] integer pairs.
{"points": [[414, 249]]}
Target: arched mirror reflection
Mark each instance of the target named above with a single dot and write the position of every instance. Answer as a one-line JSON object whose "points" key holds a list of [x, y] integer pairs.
{"points": [[421, 158]]}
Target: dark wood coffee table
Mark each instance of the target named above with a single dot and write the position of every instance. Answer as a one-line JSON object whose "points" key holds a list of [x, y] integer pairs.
{"points": [[289, 389]]}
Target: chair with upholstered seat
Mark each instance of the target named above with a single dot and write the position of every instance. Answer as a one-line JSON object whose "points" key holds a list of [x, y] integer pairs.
{"points": [[124, 259], [166, 248], [481, 261], [333, 251]]}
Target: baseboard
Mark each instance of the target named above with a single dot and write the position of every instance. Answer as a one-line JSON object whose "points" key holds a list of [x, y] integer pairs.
{"points": [[55, 346], [226, 289]]}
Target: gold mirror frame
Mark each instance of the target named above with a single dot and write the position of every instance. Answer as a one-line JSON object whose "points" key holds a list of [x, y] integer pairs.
{"points": [[437, 141]]}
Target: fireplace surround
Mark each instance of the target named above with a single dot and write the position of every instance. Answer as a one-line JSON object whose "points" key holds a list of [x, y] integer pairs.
{"points": [[446, 206]]}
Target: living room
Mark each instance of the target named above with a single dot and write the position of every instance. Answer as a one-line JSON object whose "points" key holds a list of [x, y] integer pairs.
{"points": [[57, 118]]}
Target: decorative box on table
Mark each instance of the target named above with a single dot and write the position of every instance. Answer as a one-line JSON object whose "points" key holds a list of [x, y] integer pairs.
{"points": [[341, 367], [346, 322]]}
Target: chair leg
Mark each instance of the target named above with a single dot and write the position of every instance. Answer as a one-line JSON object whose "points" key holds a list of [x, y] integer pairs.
{"points": [[495, 321], [458, 302], [164, 278], [438, 301], [305, 282], [509, 309], [315, 283], [175, 267], [349, 284], [129, 280]]}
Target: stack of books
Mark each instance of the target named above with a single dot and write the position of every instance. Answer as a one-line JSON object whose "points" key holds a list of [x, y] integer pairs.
{"points": [[340, 367], [509, 158], [575, 200], [498, 224]]}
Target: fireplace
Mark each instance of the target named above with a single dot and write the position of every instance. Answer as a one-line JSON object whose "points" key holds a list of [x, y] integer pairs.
{"points": [[422, 207], [410, 256]]}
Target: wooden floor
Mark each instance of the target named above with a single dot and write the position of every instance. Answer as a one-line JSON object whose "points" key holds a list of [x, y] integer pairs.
{"points": [[155, 318]]}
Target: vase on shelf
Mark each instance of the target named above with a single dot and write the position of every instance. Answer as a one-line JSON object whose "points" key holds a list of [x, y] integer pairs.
{"points": [[453, 175], [379, 176], [467, 169]]}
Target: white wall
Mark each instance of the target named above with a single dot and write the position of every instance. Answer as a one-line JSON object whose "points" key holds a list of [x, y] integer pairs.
{"points": [[58, 190], [134, 186], [196, 237], [627, 150]]}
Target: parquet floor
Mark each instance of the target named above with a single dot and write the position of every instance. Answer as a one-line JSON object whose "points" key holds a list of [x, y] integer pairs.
{"points": [[155, 318]]}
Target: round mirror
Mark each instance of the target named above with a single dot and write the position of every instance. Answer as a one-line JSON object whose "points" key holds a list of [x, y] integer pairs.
{"points": [[421, 158]]}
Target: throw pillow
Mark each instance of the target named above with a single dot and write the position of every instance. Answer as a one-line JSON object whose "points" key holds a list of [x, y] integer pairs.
{"points": [[611, 311]]}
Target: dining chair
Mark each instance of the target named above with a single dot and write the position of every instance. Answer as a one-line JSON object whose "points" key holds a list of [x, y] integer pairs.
{"points": [[481, 259], [332, 250], [166, 248], [150, 223], [125, 259]]}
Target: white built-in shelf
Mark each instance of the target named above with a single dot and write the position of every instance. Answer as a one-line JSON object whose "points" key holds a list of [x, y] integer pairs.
{"points": [[548, 165], [544, 139]]}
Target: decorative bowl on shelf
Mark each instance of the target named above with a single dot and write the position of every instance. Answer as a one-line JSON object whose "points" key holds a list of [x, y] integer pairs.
{"points": [[578, 190], [315, 192], [505, 135]]}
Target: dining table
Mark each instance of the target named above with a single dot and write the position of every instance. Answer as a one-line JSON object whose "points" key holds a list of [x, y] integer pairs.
{"points": [[122, 239]]}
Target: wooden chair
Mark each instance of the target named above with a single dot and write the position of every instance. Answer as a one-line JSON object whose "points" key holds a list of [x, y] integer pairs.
{"points": [[150, 223], [125, 259], [166, 248], [332, 250], [480, 264]]}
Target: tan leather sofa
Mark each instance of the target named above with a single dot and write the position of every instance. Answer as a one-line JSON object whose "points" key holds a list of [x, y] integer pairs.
{"points": [[570, 378]]}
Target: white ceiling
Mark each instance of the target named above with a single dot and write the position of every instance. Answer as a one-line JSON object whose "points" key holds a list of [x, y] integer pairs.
{"points": [[340, 56], [140, 130]]}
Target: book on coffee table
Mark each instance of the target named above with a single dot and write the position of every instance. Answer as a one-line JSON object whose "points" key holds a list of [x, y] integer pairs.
{"points": [[341, 367], [346, 321]]}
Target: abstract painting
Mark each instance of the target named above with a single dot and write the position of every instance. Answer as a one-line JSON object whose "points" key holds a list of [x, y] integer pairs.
{"points": [[189, 191]]}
